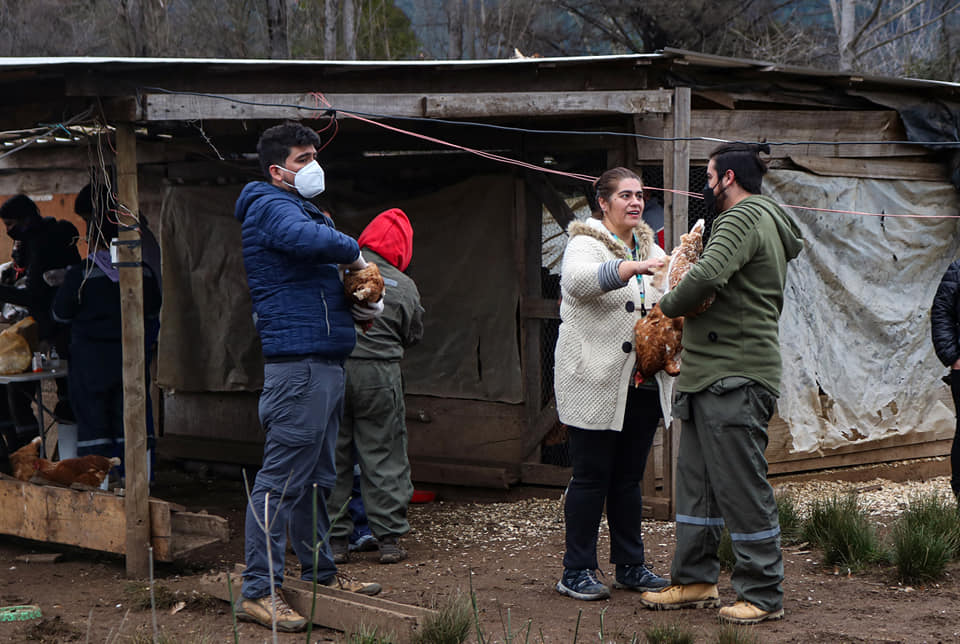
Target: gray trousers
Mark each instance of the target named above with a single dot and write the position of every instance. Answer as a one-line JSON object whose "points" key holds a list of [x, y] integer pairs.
{"points": [[374, 423], [722, 479]]}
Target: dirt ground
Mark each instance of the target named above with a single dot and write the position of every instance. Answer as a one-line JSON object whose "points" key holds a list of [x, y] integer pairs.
{"points": [[511, 544]]}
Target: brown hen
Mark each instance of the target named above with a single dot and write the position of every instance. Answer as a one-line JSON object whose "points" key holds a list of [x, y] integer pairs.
{"points": [[658, 338], [88, 470], [365, 285]]}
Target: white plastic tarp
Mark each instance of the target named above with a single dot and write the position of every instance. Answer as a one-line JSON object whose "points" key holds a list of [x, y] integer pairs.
{"points": [[856, 319]]}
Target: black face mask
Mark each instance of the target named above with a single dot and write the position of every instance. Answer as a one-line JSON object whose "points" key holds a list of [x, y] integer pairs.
{"points": [[710, 199]]}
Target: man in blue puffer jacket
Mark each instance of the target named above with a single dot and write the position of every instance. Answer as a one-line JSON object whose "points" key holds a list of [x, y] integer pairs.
{"points": [[293, 255]]}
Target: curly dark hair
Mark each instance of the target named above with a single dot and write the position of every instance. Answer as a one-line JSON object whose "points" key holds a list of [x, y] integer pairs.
{"points": [[274, 145]]}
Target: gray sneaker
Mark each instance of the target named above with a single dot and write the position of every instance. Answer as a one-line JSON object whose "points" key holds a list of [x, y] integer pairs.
{"points": [[391, 551], [340, 547]]}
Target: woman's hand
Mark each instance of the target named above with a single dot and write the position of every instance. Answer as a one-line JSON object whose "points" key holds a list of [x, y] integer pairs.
{"points": [[646, 267]]}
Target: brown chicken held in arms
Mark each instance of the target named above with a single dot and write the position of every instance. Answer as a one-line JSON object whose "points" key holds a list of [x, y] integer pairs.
{"points": [[657, 339], [657, 336], [88, 470], [365, 285]]}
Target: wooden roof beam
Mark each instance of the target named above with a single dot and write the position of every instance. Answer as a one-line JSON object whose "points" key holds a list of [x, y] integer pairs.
{"points": [[188, 107]]}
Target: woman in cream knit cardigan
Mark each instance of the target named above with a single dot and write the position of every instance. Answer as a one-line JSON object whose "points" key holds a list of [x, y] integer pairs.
{"points": [[605, 289]]}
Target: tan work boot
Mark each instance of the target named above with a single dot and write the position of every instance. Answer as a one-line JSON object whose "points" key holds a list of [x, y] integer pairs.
{"points": [[351, 585], [261, 611], [743, 612], [683, 596]]}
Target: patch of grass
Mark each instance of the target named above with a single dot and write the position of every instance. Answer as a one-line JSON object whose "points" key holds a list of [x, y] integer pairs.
{"points": [[734, 634], [842, 529], [925, 538], [791, 522], [725, 551], [365, 635], [452, 623], [53, 629], [137, 596], [673, 633], [144, 635]]}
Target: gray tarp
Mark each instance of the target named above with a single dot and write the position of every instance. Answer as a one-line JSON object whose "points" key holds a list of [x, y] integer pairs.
{"points": [[856, 319], [463, 263]]}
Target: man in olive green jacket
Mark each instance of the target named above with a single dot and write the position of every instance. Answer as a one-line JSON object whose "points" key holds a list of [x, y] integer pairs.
{"points": [[727, 389]]}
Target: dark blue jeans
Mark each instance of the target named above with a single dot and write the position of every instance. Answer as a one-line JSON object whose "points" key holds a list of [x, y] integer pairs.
{"points": [[608, 467], [300, 410]]}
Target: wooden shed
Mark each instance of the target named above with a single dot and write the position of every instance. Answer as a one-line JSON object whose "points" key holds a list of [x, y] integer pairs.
{"points": [[432, 137]]}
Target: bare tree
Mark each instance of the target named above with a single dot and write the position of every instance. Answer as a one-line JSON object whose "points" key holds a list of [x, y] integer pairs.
{"points": [[350, 29], [277, 29], [330, 29]]}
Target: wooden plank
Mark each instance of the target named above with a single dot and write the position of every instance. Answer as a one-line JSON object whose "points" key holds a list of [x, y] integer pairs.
{"points": [[334, 608], [910, 169], [330, 612], [529, 217], [203, 448], [863, 457], [525, 104], [182, 107], [161, 526], [786, 125], [486, 431], [544, 474], [34, 182], [542, 424], [303, 106], [87, 519], [134, 359], [192, 530], [454, 472]]}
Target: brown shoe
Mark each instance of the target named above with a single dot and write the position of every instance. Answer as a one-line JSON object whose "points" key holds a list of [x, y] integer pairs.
{"points": [[351, 585], [262, 612], [743, 612], [391, 551], [683, 596]]}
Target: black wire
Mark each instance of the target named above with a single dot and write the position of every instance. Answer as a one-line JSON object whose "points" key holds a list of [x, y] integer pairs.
{"points": [[331, 111]]}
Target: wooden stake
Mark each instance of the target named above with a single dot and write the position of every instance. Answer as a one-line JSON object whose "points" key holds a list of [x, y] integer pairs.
{"points": [[134, 359]]}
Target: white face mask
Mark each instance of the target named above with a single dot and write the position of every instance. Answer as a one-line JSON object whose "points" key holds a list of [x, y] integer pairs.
{"points": [[308, 180]]}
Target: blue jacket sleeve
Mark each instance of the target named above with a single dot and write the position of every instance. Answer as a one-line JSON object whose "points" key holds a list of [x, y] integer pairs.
{"points": [[287, 229]]}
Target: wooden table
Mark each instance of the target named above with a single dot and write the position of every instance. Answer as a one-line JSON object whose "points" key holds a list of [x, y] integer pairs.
{"points": [[37, 397]]}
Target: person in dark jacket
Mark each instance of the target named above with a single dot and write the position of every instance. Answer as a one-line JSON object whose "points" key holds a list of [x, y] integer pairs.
{"points": [[374, 426], [293, 256], [45, 246], [944, 321], [89, 301]]}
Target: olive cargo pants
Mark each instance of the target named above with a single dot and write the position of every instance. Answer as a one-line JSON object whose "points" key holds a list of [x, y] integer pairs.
{"points": [[722, 480]]}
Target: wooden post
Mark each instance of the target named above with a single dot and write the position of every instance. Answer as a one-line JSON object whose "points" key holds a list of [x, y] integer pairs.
{"points": [[134, 359], [676, 176], [677, 158]]}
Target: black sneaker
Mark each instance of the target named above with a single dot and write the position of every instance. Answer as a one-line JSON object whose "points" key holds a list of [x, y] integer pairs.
{"points": [[340, 547], [582, 584], [638, 577]]}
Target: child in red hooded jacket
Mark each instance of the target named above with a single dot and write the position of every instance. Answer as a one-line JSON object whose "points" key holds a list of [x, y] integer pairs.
{"points": [[373, 419]]}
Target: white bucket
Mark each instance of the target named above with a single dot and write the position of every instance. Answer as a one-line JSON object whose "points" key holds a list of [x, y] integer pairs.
{"points": [[67, 440]]}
